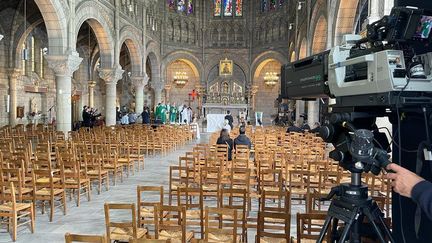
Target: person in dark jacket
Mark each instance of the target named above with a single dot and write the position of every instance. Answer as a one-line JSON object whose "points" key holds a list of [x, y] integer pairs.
{"points": [[146, 115], [409, 184], [294, 128], [224, 138], [242, 139], [317, 127], [230, 119]]}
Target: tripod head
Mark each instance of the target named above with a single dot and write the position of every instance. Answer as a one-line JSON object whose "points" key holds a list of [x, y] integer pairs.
{"points": [[356, 149]]}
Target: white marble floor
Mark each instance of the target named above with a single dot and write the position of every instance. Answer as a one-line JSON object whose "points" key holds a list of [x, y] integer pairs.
{"points": [[89, 217]]}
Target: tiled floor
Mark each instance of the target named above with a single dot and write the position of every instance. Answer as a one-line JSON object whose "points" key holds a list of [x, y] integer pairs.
{"points": [[89, 217]]}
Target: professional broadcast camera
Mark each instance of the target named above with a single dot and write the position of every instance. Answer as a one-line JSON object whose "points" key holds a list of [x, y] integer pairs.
{"points": [[368, 77]]}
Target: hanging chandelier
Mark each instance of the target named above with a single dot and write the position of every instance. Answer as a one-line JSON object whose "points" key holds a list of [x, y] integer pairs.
{"points": [[271, 78], [180, 78]]}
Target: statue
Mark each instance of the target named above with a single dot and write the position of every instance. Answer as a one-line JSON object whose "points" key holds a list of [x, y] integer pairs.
{"points": [[33, 105]]}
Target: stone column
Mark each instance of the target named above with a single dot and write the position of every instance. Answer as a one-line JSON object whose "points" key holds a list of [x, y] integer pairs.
{"points": [[13, 79], [300, 108], [157, 87], [91, 85], [374, 14], [110, 76], [313, 112], [167, 89], [253, 95], [63, 67], [139, 82]]}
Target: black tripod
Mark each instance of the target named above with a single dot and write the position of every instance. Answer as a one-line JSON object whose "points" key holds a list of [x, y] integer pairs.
{"points": [[351, 204]]}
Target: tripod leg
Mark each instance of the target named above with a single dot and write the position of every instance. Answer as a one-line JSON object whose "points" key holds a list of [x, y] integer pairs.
{"points": [[324, 229], [334, 234], [372, 219], [346, 230]]}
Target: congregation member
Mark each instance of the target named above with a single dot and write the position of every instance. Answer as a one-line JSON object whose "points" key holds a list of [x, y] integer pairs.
{"points": [[294, 128], [118, 115], [242, 139], [230, 119], [125, 119], [317, 127], [224, 138], [145, 115], [132, 118]]}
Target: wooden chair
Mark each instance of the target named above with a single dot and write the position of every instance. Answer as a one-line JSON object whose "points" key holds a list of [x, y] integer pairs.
{"points": [[75, 178], [171, 224], [210, 182], [314, 204], [150, 241], [269, 224], [14, 210], [111, 164], [193, 201], [47, 188], [299, 183], [178, 177], [123, 230], [307, 228], [236, 199], [125, 159], [147, 209], [96, 172], [216, 228], [70, 238]]}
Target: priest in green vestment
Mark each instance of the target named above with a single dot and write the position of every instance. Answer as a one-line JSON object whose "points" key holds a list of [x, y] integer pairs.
{"points": [[173, 113], [160, 113]]}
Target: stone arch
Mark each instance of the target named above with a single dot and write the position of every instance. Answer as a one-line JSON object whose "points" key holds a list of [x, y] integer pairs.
{"points": [[101, 28], [187, 57], [152, 54], [22, 38], [265, 57], [346, 17], [302, 53], [132, 41], [319, 10], [55, 22], [319, 40]]}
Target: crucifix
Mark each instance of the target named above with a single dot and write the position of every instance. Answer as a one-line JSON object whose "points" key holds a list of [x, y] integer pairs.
{"points": [[192, 95]]}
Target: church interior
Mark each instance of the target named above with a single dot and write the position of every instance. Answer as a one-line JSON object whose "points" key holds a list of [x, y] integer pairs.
{"points": [[124, 120]]}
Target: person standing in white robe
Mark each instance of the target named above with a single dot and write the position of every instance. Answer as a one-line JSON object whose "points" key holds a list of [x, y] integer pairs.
{"points": [[185, 115], [195, 123]]}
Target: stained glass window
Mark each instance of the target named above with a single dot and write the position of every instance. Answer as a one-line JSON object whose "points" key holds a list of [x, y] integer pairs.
{"points": [[270, 5], [181, 6], [217, 8], [228, 8], [239, 8]]}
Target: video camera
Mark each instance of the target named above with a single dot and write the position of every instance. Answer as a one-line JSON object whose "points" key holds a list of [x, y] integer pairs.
{"points": [[368, 77]]}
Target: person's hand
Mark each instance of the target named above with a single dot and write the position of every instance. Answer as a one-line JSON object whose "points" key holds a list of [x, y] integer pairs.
{"points": [[403, 180]]}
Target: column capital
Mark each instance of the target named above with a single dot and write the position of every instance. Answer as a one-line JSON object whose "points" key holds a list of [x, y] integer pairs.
{"points": [[158, 86], [91, 83], [63, 65], [111, 75], [139, 81], [14, 73]]}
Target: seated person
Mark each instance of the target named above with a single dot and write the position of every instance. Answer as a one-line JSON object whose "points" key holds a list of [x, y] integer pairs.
{"points": [[242, 139], [224, 138], [294, 128], [305, 126], [316, 128]]}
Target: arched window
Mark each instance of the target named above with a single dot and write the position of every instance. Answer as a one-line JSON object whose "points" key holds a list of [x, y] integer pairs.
{"points": [[228, 8], [181, 6], [270, 5]]}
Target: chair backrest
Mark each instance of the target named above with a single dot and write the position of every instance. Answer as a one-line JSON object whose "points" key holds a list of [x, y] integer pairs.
{"points": [[273, 225], [70, 238], [216, 227], [130, 225], [275, 201], [308, 226], [145, 192], [314, 204], [171, 218]]}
